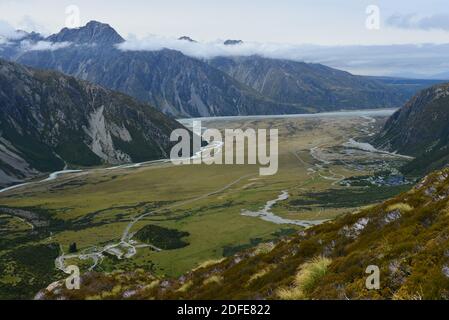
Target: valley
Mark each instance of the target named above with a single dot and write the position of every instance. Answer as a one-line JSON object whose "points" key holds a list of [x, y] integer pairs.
{"points": [[168, 219], [188, 153]]}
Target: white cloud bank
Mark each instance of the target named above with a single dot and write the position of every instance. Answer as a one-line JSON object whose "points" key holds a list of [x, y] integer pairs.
{"points": [[10, 36], [208, 50], [43, 45], [416, 61], [7, 33]]}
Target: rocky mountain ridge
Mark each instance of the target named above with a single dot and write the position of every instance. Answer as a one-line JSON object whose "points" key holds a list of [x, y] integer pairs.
{"points": [[49, 121]]}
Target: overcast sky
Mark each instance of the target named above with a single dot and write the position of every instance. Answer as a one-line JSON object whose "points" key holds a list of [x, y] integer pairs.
{"points": [[275, 28], [327, 22]]}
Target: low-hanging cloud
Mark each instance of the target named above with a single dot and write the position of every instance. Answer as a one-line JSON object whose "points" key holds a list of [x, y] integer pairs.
{"points": [[208, 50], [7, 32], [415, 61], [413, 21], [43, 45], [9, 36]]}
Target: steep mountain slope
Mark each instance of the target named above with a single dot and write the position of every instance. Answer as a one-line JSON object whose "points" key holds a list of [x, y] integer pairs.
{"points": [[176, 84], [48, 120], [312, 84], [407, 238], [420, 129], [184, 86]]}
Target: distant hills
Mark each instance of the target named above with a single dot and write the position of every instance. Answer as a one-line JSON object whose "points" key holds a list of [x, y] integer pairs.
{"points": [[49, 120], [313, 84], [183, 86]]}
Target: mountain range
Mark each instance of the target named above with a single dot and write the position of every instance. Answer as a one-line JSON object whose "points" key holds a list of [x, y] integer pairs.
{"points": [[183, 86], [49, 121]]}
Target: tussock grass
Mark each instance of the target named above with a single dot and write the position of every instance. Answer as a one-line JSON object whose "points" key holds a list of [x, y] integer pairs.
{"points": [[291, 294], [403, 207], [305, 280], [152, 285], [213, 279], [260, 274], [186, 286], [403, 294], [208, 263], [264, 248]]}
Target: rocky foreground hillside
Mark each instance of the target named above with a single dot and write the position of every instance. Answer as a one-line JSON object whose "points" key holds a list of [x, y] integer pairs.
{"points": [[420, 129], [406, 237], [49, 121]]}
